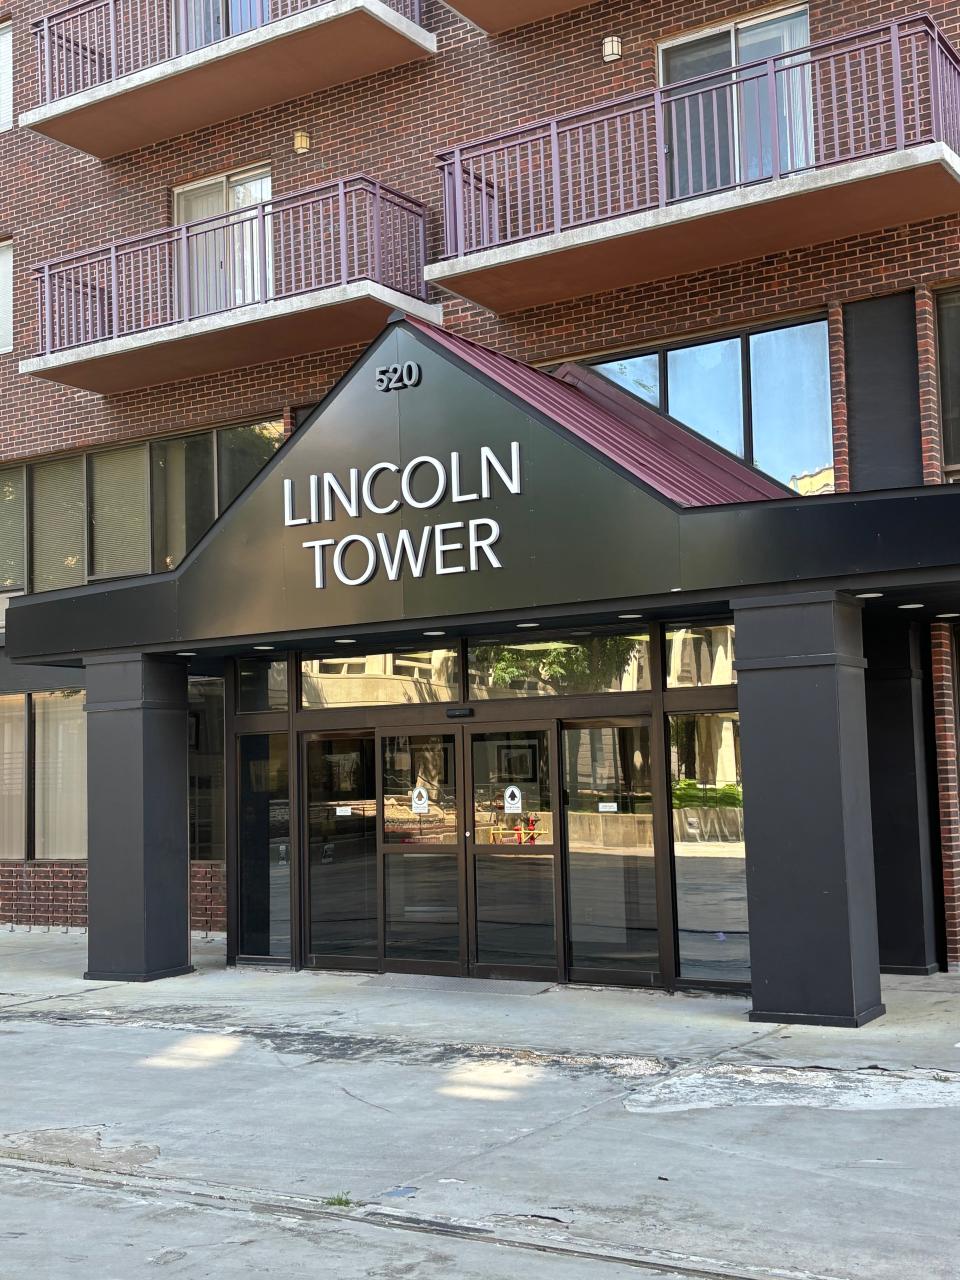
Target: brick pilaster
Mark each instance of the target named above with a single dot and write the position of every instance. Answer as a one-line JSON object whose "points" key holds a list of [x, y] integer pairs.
{"points": [[838, 398], [931, 442]]}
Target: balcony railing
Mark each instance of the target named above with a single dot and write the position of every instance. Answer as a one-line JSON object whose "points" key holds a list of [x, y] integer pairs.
{"points": [[847, 99], [93, 42], [330, 236]]}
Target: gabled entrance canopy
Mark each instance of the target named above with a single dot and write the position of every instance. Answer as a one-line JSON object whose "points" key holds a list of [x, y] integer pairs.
{"points": [[442, 481]]}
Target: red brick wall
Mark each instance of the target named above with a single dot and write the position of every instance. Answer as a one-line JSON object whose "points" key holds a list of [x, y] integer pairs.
{"points": [[208, 897], [945, 722], [43, 893], [55, 894]]}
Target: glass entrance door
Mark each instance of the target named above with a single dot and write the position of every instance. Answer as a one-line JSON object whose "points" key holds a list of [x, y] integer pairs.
{"points": [[422, 843], [611, 874], [513, 862], [340, 828]]}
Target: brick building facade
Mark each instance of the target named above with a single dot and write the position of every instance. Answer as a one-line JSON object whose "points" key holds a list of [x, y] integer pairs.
{"points": [[56, 201]]}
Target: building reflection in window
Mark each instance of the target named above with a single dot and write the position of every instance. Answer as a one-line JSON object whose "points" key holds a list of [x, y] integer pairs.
{"points": [[700, 656], [381, 679], [709, 852], [263, 846], [601, 663]]}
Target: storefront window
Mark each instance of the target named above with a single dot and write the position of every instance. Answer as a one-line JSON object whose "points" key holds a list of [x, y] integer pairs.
{"points": [[119, 527], [12, 726], [262, 685], [207, 800], [60, 775], [381, 679], [263, 846], [244, 452], [700, 656], [536, 668], [184, 498], [709, 851], [611, 878], [11, 528], [58, 518]]}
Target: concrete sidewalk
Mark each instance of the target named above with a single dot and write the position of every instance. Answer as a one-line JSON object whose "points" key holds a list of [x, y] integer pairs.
{"points": [[245, 1123]]}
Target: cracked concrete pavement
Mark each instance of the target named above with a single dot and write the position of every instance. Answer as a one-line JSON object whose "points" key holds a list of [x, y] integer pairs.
{"points": [[235, 1124]]}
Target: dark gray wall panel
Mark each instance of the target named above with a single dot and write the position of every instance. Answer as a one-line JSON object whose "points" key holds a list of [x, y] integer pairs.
{"points": [[883, 392]]}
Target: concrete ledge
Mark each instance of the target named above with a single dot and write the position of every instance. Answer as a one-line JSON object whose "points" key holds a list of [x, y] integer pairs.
{"points": [[321, 320]]}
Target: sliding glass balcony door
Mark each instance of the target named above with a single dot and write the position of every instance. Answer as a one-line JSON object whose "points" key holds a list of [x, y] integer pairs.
{"points": [[198, 23], [719, 120], [225, 244]]}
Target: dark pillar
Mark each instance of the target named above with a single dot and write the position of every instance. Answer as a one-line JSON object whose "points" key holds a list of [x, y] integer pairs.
{"points": [[139, 856], [898, 796], [806, 789]]}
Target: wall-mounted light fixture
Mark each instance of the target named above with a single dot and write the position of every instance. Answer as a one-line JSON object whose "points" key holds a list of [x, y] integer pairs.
{"points": [[612, 48], [301, 142]]}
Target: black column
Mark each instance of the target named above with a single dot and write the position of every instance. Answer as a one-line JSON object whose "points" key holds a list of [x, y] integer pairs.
{"points": [[138, 854], [806, 790], [898, 794]]}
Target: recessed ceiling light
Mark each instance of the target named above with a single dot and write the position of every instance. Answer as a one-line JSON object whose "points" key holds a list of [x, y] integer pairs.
{"points": [[948, 615], [264, 648], [186, 654], [344, 642], [581, 633], [629, 617], [869, 595], [527, 626], [676, 588], [909, 606], [434, 633]]}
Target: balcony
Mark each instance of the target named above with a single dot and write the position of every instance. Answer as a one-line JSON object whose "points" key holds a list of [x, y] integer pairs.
{"points": [[116, 75], [307, 272], [504, 15], [828, 141]]}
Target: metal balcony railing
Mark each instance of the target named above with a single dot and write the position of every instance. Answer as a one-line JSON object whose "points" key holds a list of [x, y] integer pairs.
{"points": [[860, 95], [93, 42], [337, 234]]}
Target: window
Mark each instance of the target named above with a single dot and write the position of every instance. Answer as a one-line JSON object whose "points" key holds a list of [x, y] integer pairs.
{"points": [[6, 75], [6, 296], [60, 775], [119, 530], [560, 665], [184, 496], [948, 306], [764, 396], [57, 524], [245, 451], [11, 528], [12, 739], [382, 679], [698, 657], [262, 685]]}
